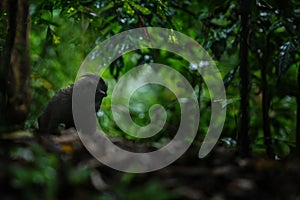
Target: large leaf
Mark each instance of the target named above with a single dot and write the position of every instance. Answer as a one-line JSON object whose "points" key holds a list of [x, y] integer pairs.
{"points": [[285, 57]]}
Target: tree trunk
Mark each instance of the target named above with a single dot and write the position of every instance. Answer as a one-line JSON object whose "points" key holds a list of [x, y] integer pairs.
{"points": [[15, 95], [266, 101], [298, 117], [243, 139], [265, 112]]}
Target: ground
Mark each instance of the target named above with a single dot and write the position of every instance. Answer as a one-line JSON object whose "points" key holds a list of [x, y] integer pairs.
{"points": [[221, 175]]}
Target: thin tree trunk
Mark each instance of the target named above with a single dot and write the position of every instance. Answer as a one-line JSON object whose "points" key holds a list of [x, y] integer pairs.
{"points": [[266, 103], [243, 139], [15, 92], [265, 113], [298, 118]]}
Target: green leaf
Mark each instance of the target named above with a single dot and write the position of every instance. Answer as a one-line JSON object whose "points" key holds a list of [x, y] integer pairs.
{"points": [[142, 9], [285, 58], [128, 9]]}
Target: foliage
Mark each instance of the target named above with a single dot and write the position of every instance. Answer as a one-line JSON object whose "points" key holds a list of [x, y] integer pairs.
{"points": [[273, 43], [33, 168], [64, 32]]}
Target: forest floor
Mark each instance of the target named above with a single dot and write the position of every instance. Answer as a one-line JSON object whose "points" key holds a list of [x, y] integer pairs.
{"points": [[221, 175]]}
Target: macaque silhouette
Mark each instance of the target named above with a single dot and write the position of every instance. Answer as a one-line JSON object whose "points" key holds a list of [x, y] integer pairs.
{"points": [[59, 109]]}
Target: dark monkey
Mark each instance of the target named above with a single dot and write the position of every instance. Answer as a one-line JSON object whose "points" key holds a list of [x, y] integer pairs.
{"points": [[59, 109]]}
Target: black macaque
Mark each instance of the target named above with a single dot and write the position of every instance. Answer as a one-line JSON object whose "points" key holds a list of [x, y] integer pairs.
{"points": [[59, 109]]}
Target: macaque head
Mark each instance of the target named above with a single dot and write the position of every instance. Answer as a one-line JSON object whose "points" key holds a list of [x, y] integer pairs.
{"points": [[89, 79]]}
